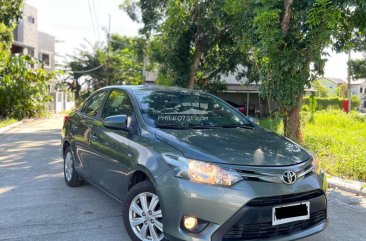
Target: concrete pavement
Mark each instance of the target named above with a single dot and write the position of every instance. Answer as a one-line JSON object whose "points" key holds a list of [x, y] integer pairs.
{"points": [[36, 204]]}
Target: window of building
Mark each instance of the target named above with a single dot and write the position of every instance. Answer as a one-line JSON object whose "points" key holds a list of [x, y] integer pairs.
{"points": [[31, 52], [361, 90], [31, 19], [46, 60], [70, 97], [364, 104], [59, 97]]}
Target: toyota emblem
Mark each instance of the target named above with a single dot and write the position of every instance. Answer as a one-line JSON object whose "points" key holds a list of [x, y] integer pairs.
{"points": [[289, 177]]}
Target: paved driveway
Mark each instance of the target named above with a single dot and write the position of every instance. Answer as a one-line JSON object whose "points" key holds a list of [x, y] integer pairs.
{"points": [[36, 204]]}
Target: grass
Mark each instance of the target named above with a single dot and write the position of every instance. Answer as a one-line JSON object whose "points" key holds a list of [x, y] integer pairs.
{"points": [[7, 122], [338, 140]]}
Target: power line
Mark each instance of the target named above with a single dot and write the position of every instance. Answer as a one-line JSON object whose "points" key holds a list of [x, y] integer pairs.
{"points": [[87, 71], [96, 19], [91, 17]]}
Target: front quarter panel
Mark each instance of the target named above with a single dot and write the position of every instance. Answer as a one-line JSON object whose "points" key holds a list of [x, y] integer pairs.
{"points": [[146, 150]]}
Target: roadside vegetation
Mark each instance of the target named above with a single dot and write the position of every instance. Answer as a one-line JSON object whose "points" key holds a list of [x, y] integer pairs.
{"points": [[4, 123], [23, 88], [338, 140]]}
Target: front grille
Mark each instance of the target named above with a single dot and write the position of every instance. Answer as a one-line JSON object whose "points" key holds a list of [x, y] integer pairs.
{"points": [[278, 200], [266, 230]]}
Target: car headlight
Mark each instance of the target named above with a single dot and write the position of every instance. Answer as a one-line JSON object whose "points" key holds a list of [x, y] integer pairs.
{"points": [[316, 165], [201, 172]]}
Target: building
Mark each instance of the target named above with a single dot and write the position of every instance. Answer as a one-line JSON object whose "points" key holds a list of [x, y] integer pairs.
{"points": [[28, 40], [358, 88], [332, 84]]}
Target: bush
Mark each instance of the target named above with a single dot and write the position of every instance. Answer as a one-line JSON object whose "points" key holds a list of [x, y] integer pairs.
{"points": [[331, 103], [24, 91]]}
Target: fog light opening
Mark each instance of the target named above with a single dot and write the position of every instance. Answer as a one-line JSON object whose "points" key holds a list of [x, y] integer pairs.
{"points": [[190, 223]]}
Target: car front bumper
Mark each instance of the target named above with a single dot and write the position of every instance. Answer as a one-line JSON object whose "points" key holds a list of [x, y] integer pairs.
{"points": [[226, 209]]}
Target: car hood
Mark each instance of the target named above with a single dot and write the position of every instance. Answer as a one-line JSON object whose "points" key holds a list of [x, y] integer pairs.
{"points": [[237, 146]]}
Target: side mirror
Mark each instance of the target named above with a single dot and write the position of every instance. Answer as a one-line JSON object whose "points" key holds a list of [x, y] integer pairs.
{"points": [[116, 122]]}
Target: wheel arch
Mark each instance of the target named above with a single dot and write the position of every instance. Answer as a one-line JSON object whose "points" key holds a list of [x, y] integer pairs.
{"points": [[65, 145], [139, 175]]}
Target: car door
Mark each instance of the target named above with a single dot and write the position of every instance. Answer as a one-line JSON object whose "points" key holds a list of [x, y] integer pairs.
{"points": [[82, 128], [112, 155]]}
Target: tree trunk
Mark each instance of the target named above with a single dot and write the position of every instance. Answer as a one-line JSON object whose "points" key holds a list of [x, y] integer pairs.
{"points": [[77, 89], [285, 23], [197, 50], [291, 122], [194, 67]]}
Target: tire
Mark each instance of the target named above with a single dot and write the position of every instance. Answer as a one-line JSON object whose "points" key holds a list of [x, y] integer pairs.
{"points": [[72, 178], [140, 219]]}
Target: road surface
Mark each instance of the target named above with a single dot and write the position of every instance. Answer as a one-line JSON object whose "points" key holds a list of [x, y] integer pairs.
{"points": [[36, 204]]}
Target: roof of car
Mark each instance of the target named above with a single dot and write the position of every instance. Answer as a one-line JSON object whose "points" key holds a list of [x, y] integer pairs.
{"points": [[138, 88]]}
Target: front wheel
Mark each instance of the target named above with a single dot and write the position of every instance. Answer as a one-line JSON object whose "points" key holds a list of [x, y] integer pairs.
{"points": [[142, 214]]}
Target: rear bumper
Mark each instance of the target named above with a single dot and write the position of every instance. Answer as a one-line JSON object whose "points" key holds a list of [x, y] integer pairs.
{"points": [[224, 207]]}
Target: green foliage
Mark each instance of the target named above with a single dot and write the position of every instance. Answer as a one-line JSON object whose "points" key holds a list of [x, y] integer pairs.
{"points": [[336, 138], [313, 103], [274, 124], [189, 38], [10, 12], [283, 59], [121, 64], [331, 103], [358, 68], [355, 102], [24, 91], [305, 108], [6, 122]]}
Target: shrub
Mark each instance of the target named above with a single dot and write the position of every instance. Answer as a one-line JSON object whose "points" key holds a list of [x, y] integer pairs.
{"points": [[331, 103], [23, 90], [305, 107]]}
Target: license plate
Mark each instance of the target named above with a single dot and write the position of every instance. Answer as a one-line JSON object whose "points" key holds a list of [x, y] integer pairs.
{"points": [[290, 213]]}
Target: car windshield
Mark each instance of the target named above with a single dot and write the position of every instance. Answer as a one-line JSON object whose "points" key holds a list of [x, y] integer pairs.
{"points": [[188, 109]]}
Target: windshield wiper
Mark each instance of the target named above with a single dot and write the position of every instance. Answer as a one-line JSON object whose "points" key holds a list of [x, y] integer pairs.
{"points": [[246, 126], [176, 127]]}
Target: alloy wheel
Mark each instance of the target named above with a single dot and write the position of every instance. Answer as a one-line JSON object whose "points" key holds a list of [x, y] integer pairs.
{"points": [[145, 217], [68, 166]]}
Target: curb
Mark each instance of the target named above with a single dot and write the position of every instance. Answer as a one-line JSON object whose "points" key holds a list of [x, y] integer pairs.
{"points": [[358, 188], [6, 128]]}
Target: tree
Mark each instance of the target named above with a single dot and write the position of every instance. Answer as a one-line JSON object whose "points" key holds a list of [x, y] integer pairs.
{"points": [[191, 41], [10, 12], [358, 68], [280, 43], [286, 40], [122, 64]]}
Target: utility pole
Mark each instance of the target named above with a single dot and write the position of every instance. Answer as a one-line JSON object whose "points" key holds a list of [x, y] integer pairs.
{"points": [[108, 47], [349, 82]]}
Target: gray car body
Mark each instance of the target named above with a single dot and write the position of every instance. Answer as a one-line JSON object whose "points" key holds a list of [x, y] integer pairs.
{"points": [[112, 163]]}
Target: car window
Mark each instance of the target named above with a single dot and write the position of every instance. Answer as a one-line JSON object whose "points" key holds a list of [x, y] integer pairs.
{"points": [[188, 110], [92, 107], [118, 103]]}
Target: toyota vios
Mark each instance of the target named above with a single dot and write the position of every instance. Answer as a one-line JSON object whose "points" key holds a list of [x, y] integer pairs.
{"points": [[188, 166]]}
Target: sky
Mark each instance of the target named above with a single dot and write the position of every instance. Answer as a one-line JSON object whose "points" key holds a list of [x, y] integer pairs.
{"points": [[71, 23]]}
